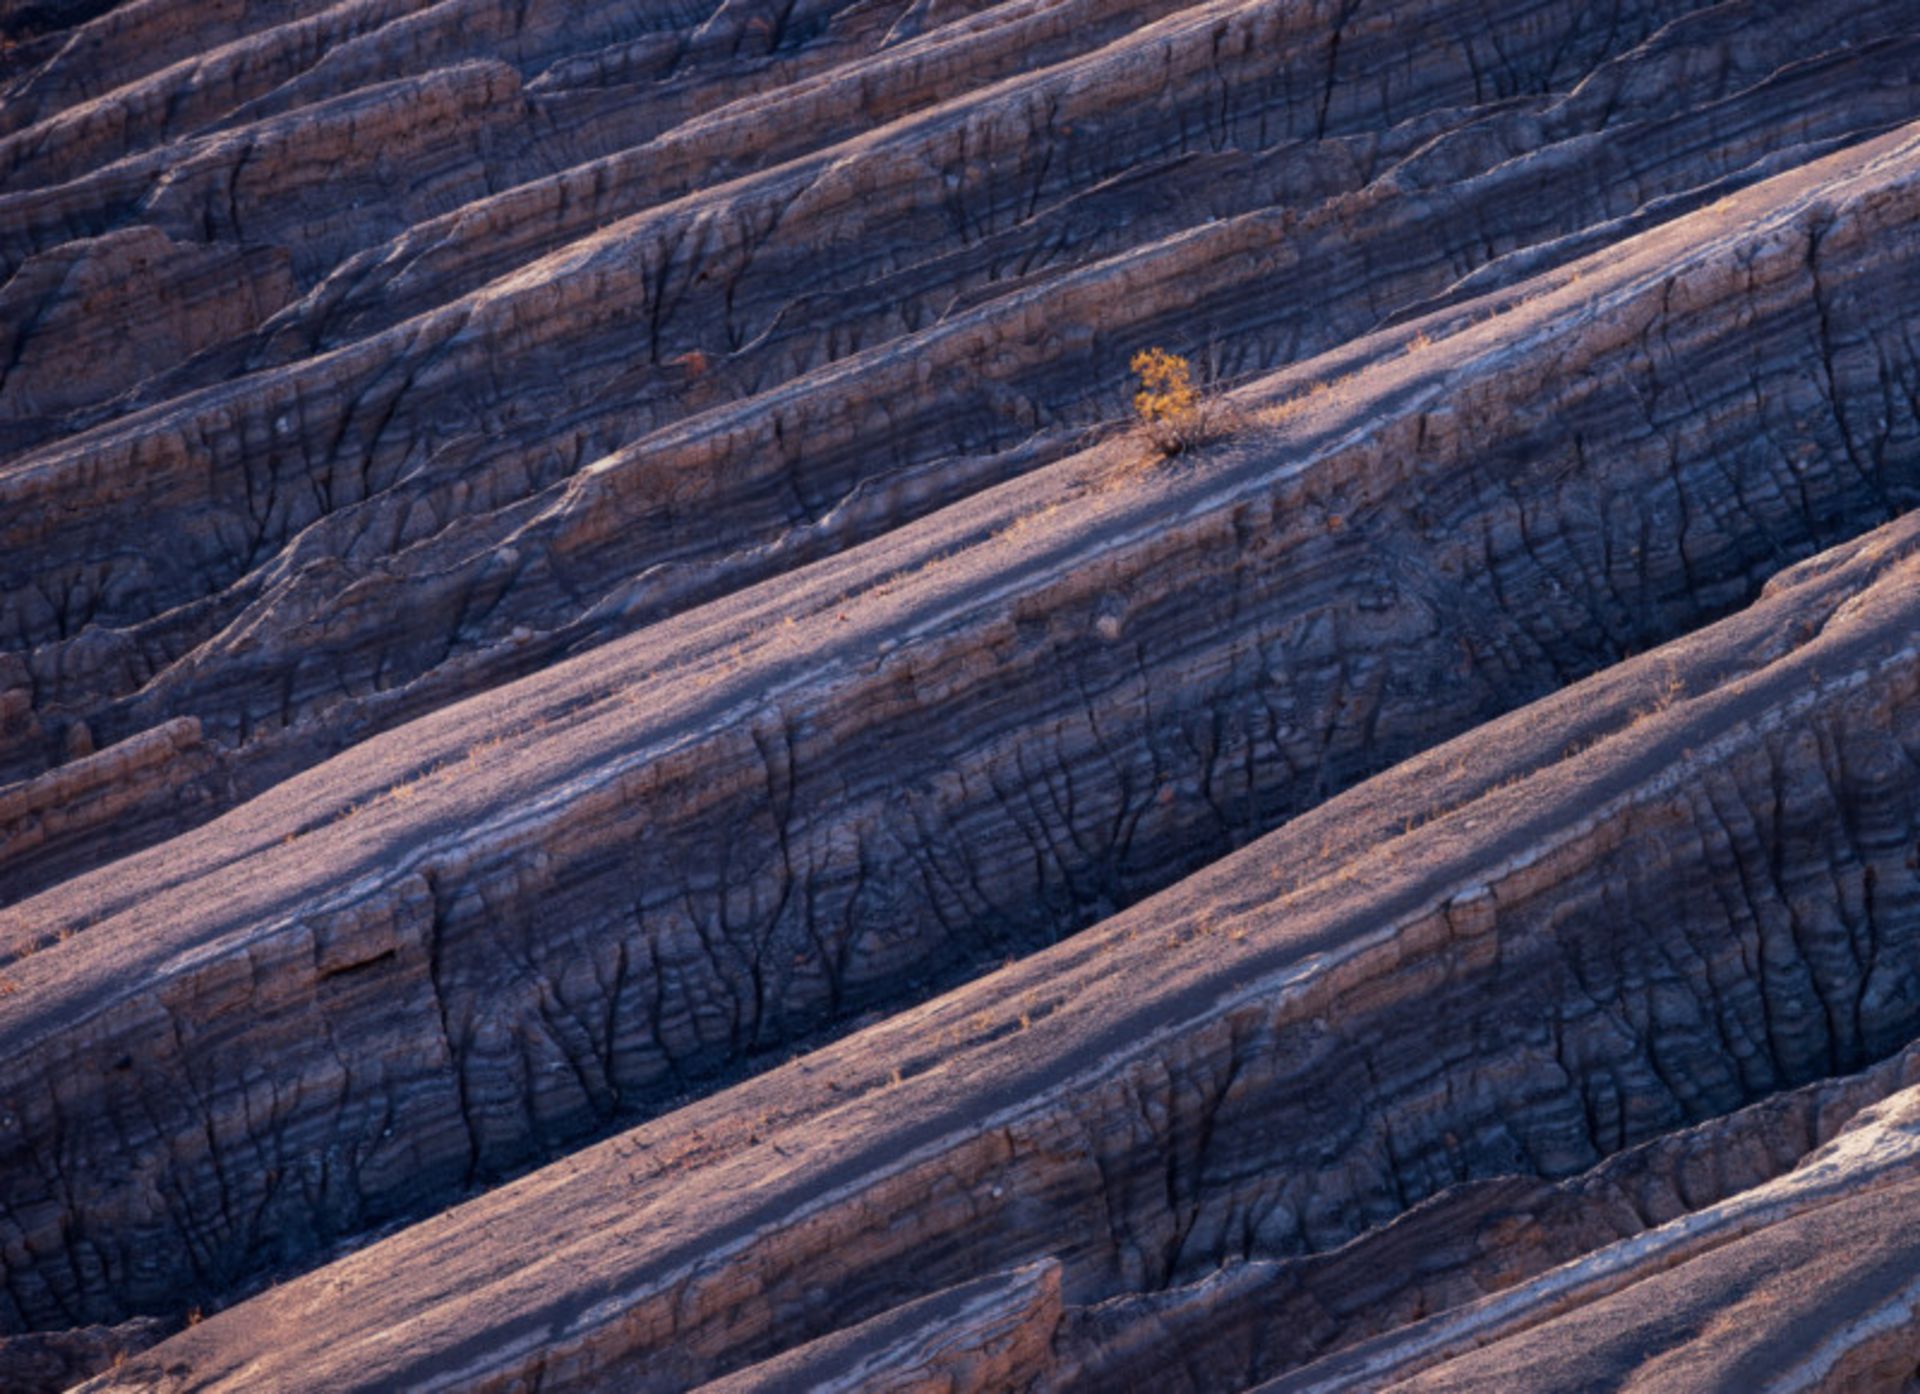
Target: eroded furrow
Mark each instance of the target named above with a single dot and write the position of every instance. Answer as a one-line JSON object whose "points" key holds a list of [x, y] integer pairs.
{"points": [[1707, 900], [526, 488], [924, 757], [616, 774]]}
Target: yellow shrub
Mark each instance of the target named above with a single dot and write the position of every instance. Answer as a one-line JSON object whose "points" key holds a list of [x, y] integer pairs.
{"points": [[1166, 386], [1174, 414]]}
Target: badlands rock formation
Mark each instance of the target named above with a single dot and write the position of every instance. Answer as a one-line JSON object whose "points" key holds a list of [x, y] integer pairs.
{"points": [[616, 772]]}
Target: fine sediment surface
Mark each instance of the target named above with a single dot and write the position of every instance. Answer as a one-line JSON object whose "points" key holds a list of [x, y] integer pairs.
{"points": [[617, 773]]}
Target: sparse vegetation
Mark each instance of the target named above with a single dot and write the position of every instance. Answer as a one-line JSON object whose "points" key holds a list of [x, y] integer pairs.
{"points": [[1174, 414], [1280, 412], [1036, 518]]}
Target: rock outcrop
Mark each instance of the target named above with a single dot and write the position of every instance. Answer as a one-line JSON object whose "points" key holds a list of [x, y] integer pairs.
{"points": [[995, 729], [554, 414], [46, 1362], [616, 773], [1650, 902]]}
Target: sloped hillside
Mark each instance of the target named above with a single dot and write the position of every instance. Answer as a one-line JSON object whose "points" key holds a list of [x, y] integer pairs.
{"points": [[619, 772]]}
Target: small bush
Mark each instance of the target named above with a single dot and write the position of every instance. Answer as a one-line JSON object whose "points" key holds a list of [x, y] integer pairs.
{"points": [[1174, 415]]}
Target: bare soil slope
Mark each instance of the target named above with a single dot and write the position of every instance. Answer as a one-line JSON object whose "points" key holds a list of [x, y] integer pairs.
{"points": [[617, 773]]}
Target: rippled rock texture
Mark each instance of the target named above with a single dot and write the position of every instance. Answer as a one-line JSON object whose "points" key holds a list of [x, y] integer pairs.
{"points": [[618, 772]]}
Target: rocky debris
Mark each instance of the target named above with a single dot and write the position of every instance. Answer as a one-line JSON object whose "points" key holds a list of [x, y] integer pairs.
{"points": [[611, 776]]}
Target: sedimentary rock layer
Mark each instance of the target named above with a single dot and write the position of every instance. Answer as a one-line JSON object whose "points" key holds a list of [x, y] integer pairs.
{"points": [[614, 774], [1802, 1284], [1647, 902], [628, 337], [1257, 1318], [469, 945]]}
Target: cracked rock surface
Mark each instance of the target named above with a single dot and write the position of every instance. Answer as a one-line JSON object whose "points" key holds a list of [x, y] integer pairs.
{"points": [[617, 773]]}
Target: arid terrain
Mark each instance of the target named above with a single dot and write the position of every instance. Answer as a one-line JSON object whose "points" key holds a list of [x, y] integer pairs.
{"points": [[621, 769]]}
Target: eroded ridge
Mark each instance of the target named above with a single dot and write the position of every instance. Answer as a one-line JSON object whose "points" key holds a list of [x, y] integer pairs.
{"points": [[615, 775], [1474, 997], [361, 359], [470, 945]]}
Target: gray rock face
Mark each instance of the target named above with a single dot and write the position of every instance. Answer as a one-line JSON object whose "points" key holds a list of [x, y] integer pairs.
{"points": [[1540, 979], [532, 953], [47, 1362], [618, 775], [763, 369]]}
